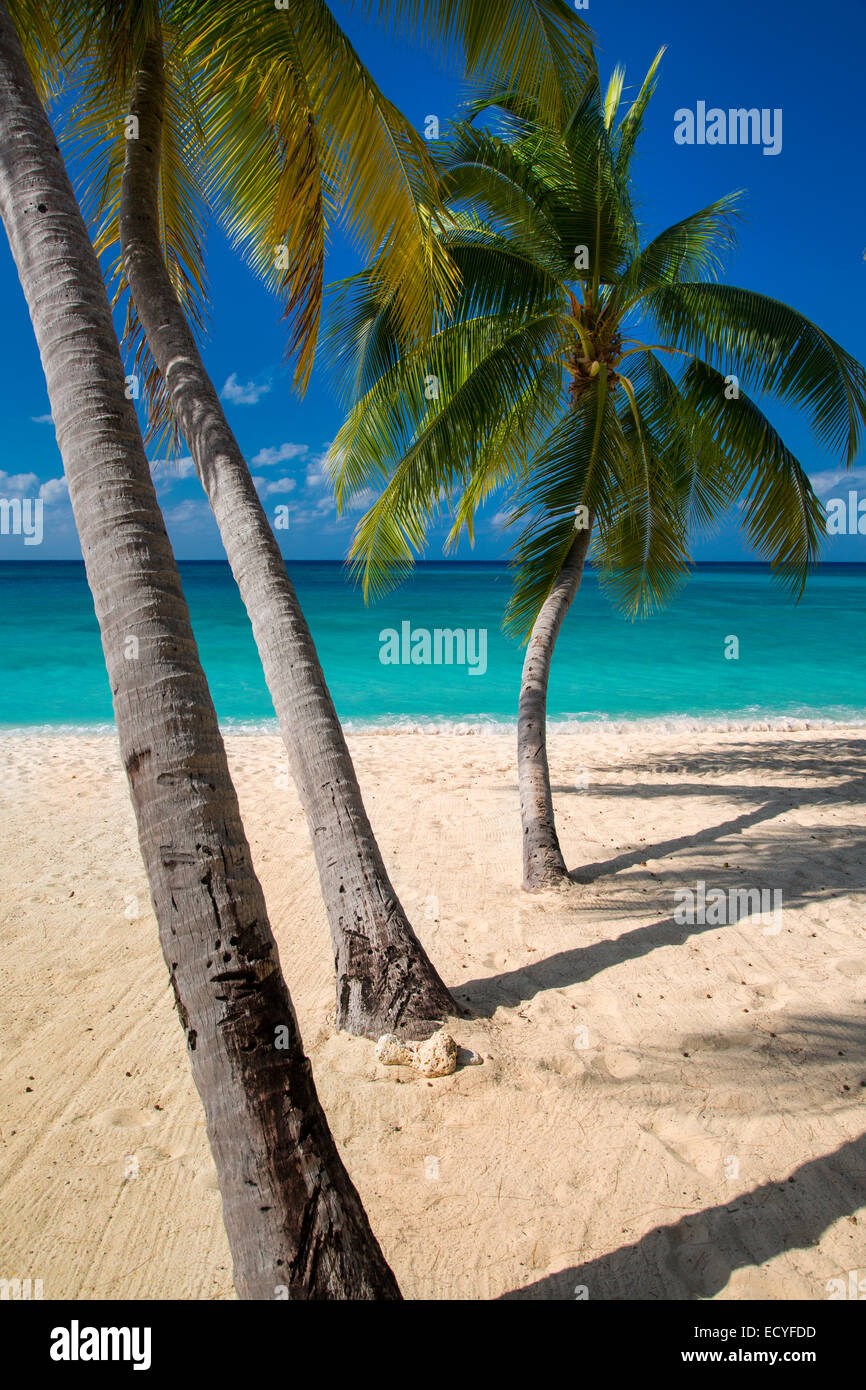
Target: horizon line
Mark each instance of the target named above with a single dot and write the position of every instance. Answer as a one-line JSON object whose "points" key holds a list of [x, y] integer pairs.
{"points": [[430, 564]]}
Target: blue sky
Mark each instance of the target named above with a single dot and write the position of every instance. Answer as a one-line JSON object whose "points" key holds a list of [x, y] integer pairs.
{"points": [[803, 241]]}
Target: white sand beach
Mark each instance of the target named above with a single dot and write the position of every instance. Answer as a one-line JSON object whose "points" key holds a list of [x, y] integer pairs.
{"points": [[663, 1111]]}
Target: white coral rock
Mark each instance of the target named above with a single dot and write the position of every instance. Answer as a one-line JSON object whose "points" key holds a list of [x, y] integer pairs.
{"points": [[391, 1052], [435, 1056]]}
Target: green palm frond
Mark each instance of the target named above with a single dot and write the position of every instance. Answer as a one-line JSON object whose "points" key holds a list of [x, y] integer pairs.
{"points": [[299, 134], [112, 36], [704, 484], [498, 182], [783, 516], [630, 126], [538, 49], [47, 34], [641, 553], [431, 480], [571, 469], [498, 280], [503, 461], [613, 96], [436, 436], [497, 275], [362, 339], [550, 193], [693, 248], [770, 344]]}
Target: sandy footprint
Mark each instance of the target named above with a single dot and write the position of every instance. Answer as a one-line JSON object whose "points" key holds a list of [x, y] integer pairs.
{"points": [[695, 1261], [118, 1117], [621, 1065], [686, 1139], [852, 967], [206, 1178], [771, 996]]}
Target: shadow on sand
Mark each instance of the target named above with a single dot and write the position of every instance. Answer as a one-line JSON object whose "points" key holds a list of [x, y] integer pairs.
{"points": [[695, 1257], [791, 860]]}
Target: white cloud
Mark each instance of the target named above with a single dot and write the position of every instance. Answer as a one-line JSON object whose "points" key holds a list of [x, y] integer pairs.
{"points": [[833, 478], [321, 510], [240, 394], [168, 471], [267, 487], [18, 482], [189, 513], [318, 473], [43, 419], [265, 457], [54, 490], [361, 501]]}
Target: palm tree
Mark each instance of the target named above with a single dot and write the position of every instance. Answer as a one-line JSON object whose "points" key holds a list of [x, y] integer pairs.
{"points": [[293, 1218], [614, 438], [268, 115]]}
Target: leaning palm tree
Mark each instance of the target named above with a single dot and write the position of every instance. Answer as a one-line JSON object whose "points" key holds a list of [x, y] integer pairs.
{"points": [[266, 114], [293, 1218], [597, 379]]}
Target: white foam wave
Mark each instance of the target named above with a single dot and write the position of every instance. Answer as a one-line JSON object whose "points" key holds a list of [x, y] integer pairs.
{"points": [[588, 725]]}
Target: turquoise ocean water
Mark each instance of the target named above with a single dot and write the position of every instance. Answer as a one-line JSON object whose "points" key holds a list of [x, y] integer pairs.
{"points": [[803, 661]]}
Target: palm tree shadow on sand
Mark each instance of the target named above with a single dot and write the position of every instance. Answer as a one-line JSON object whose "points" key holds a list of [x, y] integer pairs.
{"points": [[695, 1257], [791, 859], [482, 996], [785, 756], [784, 799]]}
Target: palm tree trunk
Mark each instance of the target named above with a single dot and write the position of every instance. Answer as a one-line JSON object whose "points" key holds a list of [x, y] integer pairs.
{"points": [[293, 1218], [385, 981], [543, 864]]}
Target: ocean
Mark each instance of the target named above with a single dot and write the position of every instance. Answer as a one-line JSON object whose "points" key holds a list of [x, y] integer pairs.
{"points": [[732, 649]]}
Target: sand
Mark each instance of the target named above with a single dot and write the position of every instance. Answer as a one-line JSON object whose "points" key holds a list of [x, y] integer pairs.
{"points": [[663, 1111]]}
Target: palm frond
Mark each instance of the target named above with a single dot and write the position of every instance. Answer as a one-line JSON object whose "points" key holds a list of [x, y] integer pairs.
{"points": [[497, 181], [691, 249], [613, 95], [630, 126], [47, 34], [442, 394], [696, 466], [570, 469], [300, 134], [641, 553], [537, 49], [498, 278], [436, 438], [766, 342], [504, 459], [783, 516]]}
